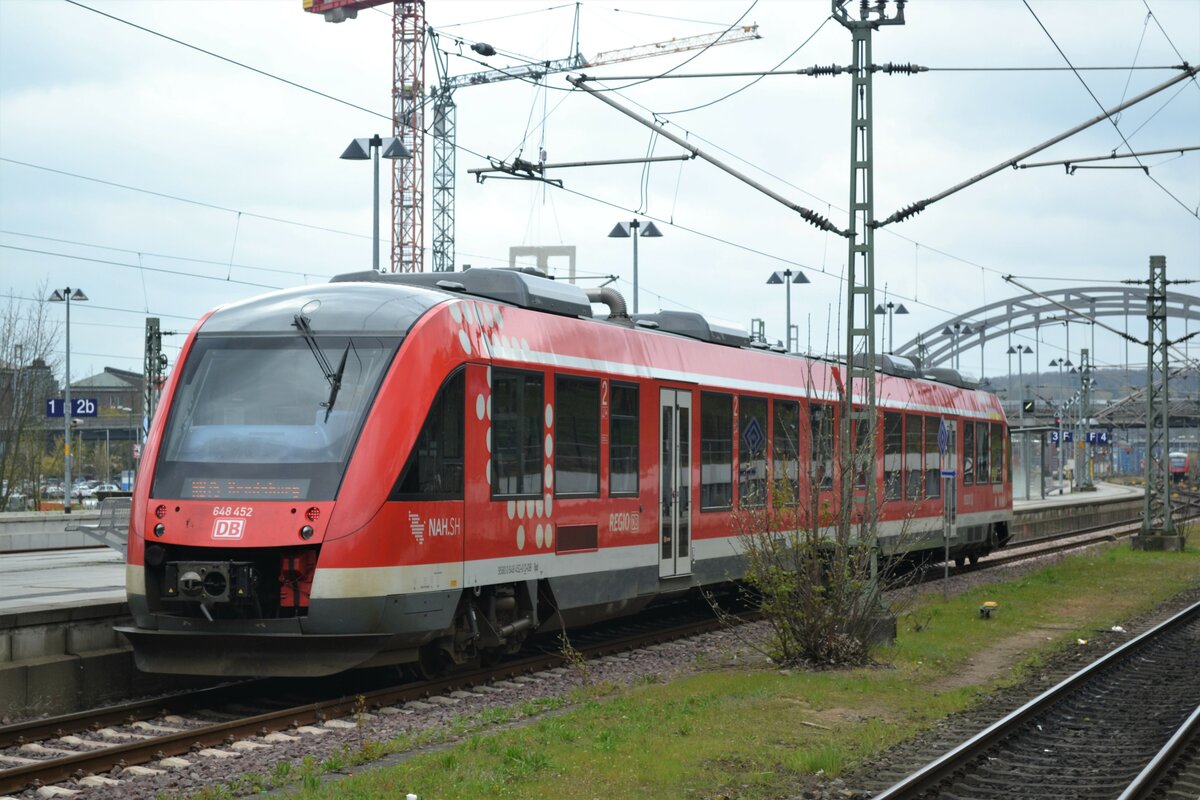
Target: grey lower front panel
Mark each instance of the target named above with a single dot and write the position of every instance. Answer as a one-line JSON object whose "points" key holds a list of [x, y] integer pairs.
{"points": [[247, 654], [336, 635]]}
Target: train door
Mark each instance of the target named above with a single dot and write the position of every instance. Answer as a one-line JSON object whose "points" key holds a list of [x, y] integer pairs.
{"points": [[675, 479], [948, 447]]}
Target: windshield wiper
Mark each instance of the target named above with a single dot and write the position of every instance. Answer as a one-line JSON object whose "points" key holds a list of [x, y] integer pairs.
{"points": [[300, 322]]}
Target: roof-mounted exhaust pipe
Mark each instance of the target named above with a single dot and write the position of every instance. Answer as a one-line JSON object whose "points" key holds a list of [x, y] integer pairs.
{"points": [[611, 298]]}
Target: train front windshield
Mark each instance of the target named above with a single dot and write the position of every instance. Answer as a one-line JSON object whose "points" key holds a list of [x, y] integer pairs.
{"points": [[268, 418]]}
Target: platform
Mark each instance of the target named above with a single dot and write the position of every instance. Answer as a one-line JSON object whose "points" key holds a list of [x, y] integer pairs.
{"points": [[1105, 492], [55, 579]]}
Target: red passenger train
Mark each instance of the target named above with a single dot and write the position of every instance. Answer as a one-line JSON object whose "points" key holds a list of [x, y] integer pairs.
{"points": [[426, 468]]}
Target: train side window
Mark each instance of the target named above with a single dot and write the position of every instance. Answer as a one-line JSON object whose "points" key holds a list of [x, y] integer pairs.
{"points": [[435, 466], [997, 457], [577, 436], [933, 471], [752, 452], [862, 432], [968, 453], [785, 446], [914, 455], [716, 452], [893, 454], [821, 417], [623, 441], [982, 462], [518, 433]]}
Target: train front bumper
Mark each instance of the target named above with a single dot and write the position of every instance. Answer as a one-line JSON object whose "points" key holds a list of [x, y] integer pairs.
{"points": [[224, 653]]}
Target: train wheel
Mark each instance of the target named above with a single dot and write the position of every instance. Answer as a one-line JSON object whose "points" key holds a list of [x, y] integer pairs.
{"points": [[959, 561], [431, 662], [974, 557]]}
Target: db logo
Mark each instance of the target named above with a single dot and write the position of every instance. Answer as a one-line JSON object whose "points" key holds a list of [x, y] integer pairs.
{"points": [[228, 528]]}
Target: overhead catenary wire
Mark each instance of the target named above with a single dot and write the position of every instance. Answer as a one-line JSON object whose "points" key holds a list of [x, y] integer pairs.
{"points": [[916, 208], [181, 199], [472, 152], [1190, 72], [826, 71], [229, 60], [733, 244]]}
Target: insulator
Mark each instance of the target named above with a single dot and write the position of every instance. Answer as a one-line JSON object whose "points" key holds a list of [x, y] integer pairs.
{"points": [[819, 221], [904, 69], [816, 70]]}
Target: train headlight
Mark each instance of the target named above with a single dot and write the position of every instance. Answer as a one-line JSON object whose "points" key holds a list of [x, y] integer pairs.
{"points": [[160, 529], [306, 532]]}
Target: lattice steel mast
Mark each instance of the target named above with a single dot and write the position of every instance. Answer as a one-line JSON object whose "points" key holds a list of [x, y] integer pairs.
{"points": [[859, 411], [1156, 507], [408, 124]]}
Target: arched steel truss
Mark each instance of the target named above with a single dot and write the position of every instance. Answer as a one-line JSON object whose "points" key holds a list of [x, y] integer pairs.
{"points": [[934, 347]]}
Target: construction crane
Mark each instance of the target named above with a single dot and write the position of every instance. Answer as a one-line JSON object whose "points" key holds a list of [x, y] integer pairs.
{"points": [[409, 32], [408, 120], [444, 110]]}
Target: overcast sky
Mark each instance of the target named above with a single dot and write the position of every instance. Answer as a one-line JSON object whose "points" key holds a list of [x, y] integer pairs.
{"points": [[167, 181]]}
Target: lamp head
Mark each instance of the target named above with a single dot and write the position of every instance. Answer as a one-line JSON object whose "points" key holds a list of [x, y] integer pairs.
{"points": [[900, 309], [357, 151], [800, 277], [619, 231], [650, 230], [776, 277], [879, 309], [395, 149]]}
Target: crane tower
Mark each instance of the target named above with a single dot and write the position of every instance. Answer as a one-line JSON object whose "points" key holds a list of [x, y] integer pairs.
{"points": [[408, 120], [408, 117]]}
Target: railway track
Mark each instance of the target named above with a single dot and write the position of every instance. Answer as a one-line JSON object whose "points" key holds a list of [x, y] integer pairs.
{"points": [[157, 735], [1123, 727]]}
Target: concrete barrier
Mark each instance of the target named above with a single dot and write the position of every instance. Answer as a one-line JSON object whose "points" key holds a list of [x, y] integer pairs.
{"points": [[45, 530], [1035, 523], [68, 659]]}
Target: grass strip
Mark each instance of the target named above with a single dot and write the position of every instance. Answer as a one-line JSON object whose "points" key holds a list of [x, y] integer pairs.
{"points": [[739, 732]]}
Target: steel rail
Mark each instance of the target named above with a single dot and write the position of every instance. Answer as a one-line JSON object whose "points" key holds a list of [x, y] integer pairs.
{"points": [[931, 774], [21, 732], [1149, 777]]}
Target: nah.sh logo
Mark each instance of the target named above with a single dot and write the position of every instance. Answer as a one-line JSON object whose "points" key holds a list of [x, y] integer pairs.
{"points": [[228, 528]]}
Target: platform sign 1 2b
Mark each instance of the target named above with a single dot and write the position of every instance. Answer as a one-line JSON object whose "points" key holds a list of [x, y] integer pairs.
{"points": [[80, 407]]}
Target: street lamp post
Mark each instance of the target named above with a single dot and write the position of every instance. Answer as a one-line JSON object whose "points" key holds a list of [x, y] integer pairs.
{"points": [[634, 230], [890, 308], [358, 151], [1021, 351], [1061, 362], [955, 331], [787, 278], [66, 296]]}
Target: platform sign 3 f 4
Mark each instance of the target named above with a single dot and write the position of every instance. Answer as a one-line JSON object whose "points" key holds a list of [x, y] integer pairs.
{"points": [[80, 407]]}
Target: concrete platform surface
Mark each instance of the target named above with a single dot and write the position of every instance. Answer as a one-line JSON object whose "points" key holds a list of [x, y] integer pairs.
{"points": [[1105, 493], [60, 579]]}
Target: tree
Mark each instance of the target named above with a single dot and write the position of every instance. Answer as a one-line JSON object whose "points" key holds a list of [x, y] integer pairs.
{"points": [[812, 568], [27, 362]]}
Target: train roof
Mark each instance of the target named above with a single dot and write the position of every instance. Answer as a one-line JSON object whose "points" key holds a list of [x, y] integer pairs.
{"points": [[533, 290], [520, 288]]}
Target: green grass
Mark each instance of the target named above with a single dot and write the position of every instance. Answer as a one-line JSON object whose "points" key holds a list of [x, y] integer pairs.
{"points": [[759, 733]]}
